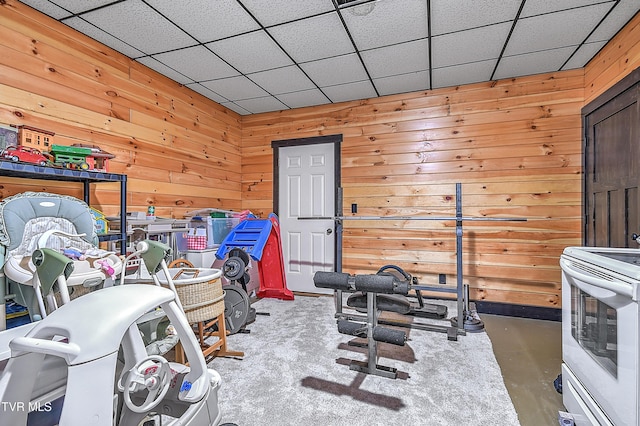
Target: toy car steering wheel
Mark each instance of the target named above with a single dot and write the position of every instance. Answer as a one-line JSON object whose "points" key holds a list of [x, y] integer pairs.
{"points": [[155, 378]]}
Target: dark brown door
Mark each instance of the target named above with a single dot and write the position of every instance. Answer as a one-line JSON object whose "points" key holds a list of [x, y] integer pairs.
{"points": [[612, 166]]}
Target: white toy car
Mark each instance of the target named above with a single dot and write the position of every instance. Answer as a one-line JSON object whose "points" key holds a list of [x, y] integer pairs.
{"points": [[86, 364]]}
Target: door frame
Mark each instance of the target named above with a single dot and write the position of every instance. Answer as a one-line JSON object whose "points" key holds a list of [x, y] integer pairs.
{"points": [[336, 140], [627, 83]]}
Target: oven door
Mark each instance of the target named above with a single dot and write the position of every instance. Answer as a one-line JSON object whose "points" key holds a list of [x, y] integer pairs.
{"points": [[600, 337]]}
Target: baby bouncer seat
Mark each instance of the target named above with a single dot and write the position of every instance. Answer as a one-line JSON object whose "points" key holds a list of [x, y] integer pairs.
{"points": [[38, 220]]}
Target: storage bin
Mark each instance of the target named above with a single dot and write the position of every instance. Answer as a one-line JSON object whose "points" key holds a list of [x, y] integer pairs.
{"points": [[219, 228]]}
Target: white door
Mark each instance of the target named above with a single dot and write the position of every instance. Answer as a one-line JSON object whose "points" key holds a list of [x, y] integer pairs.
{"points": [[306, 189]]}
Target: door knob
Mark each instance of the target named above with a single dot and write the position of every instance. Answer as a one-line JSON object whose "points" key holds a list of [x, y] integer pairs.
{"points": [[329, 231]]}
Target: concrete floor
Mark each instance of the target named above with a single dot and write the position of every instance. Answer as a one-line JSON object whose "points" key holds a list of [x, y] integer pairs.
{"points": [[529, 353]]}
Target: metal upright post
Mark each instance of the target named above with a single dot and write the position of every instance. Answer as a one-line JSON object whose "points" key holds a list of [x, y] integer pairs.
{"points": [[459, 273]]}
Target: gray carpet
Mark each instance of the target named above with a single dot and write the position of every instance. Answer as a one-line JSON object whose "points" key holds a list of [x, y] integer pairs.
{"points": [[295, 372]]}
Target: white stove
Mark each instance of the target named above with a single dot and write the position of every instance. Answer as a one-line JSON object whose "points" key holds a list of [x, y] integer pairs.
{"points": [[600, 324]]}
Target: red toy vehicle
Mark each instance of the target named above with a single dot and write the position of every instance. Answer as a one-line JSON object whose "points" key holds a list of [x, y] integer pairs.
{"points": [[26, 154]]}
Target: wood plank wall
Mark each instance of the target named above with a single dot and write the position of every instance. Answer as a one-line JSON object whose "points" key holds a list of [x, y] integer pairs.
{"points": [[179, 150], [513, 144]]}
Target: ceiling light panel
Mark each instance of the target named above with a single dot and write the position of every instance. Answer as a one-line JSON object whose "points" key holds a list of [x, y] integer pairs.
{"points": [[313, 38], [388, 22], [450, 16], [398, 59], [554, 30], [214, 20], [197, 63], [251, 52], [275, 12], [469, 46], [139, 26], [350, 91]]}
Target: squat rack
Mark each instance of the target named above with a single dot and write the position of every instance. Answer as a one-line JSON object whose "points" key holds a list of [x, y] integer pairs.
{"points": [[461, 290]]}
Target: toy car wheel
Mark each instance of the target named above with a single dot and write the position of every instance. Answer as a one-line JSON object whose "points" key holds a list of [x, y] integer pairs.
{"points": [[15, 158], [84, 166], [43, 163]]}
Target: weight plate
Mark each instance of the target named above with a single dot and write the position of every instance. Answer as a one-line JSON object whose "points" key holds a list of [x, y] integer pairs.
{"points": [[236, 308], [238, 252], [233, 268]]}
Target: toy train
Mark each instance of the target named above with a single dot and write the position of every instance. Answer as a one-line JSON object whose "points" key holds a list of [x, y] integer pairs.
{"points": [[36, 146]]}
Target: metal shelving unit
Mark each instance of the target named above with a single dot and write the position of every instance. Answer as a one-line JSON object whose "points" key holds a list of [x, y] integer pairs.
{"points": [[32, 171]]}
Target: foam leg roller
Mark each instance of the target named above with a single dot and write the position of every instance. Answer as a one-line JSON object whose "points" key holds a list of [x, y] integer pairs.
{"points": [[334, 280], [388, 335], [352, 328], [375, 283]]}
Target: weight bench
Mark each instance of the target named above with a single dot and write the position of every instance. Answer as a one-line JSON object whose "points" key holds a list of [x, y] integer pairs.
{"points": [[375, 293]]}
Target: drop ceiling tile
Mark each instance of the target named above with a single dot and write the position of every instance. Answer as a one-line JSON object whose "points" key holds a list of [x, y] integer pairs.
{"points": [[583, 55], [224, 18], [282, 80], [164, 70], [208, 93], [197, 63], [251, 52], [398, 59], [79, 6], [313, 38], [235, 88], [615, 20], [104, 38], [532, 63], [263, 104], [337, 70], [274, 12], [469, 46], [380, 27], [350, 91], [450, 16], [138, 25], [236, 108], [48, 8], [303, 98], [554, 30], [403, 83], [539, 7], [462, 74]]}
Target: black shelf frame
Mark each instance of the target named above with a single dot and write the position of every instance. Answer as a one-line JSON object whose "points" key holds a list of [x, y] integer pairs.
{"points": [[33, 171]]}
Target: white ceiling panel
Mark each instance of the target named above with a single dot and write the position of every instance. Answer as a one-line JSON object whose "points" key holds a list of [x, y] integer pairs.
{"points": [[197, 63], [583, 55], [304, 98], [274, 12], [197, 87], [337, 70], [264, 104], [469, 46], [350, 91], [532, 63], [104, 38], [449, 16], [275, 54], [214, 21], [380, 27], [282, 80], [251, 52], [402, 83], [155, 65], [463, 74], [235, 88], [398, 59], [313, 38], [554, 30], [540, 7], [153, 34]]}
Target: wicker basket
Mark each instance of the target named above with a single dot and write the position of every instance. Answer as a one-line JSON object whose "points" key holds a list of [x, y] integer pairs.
{"points": [[199, 290]]}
